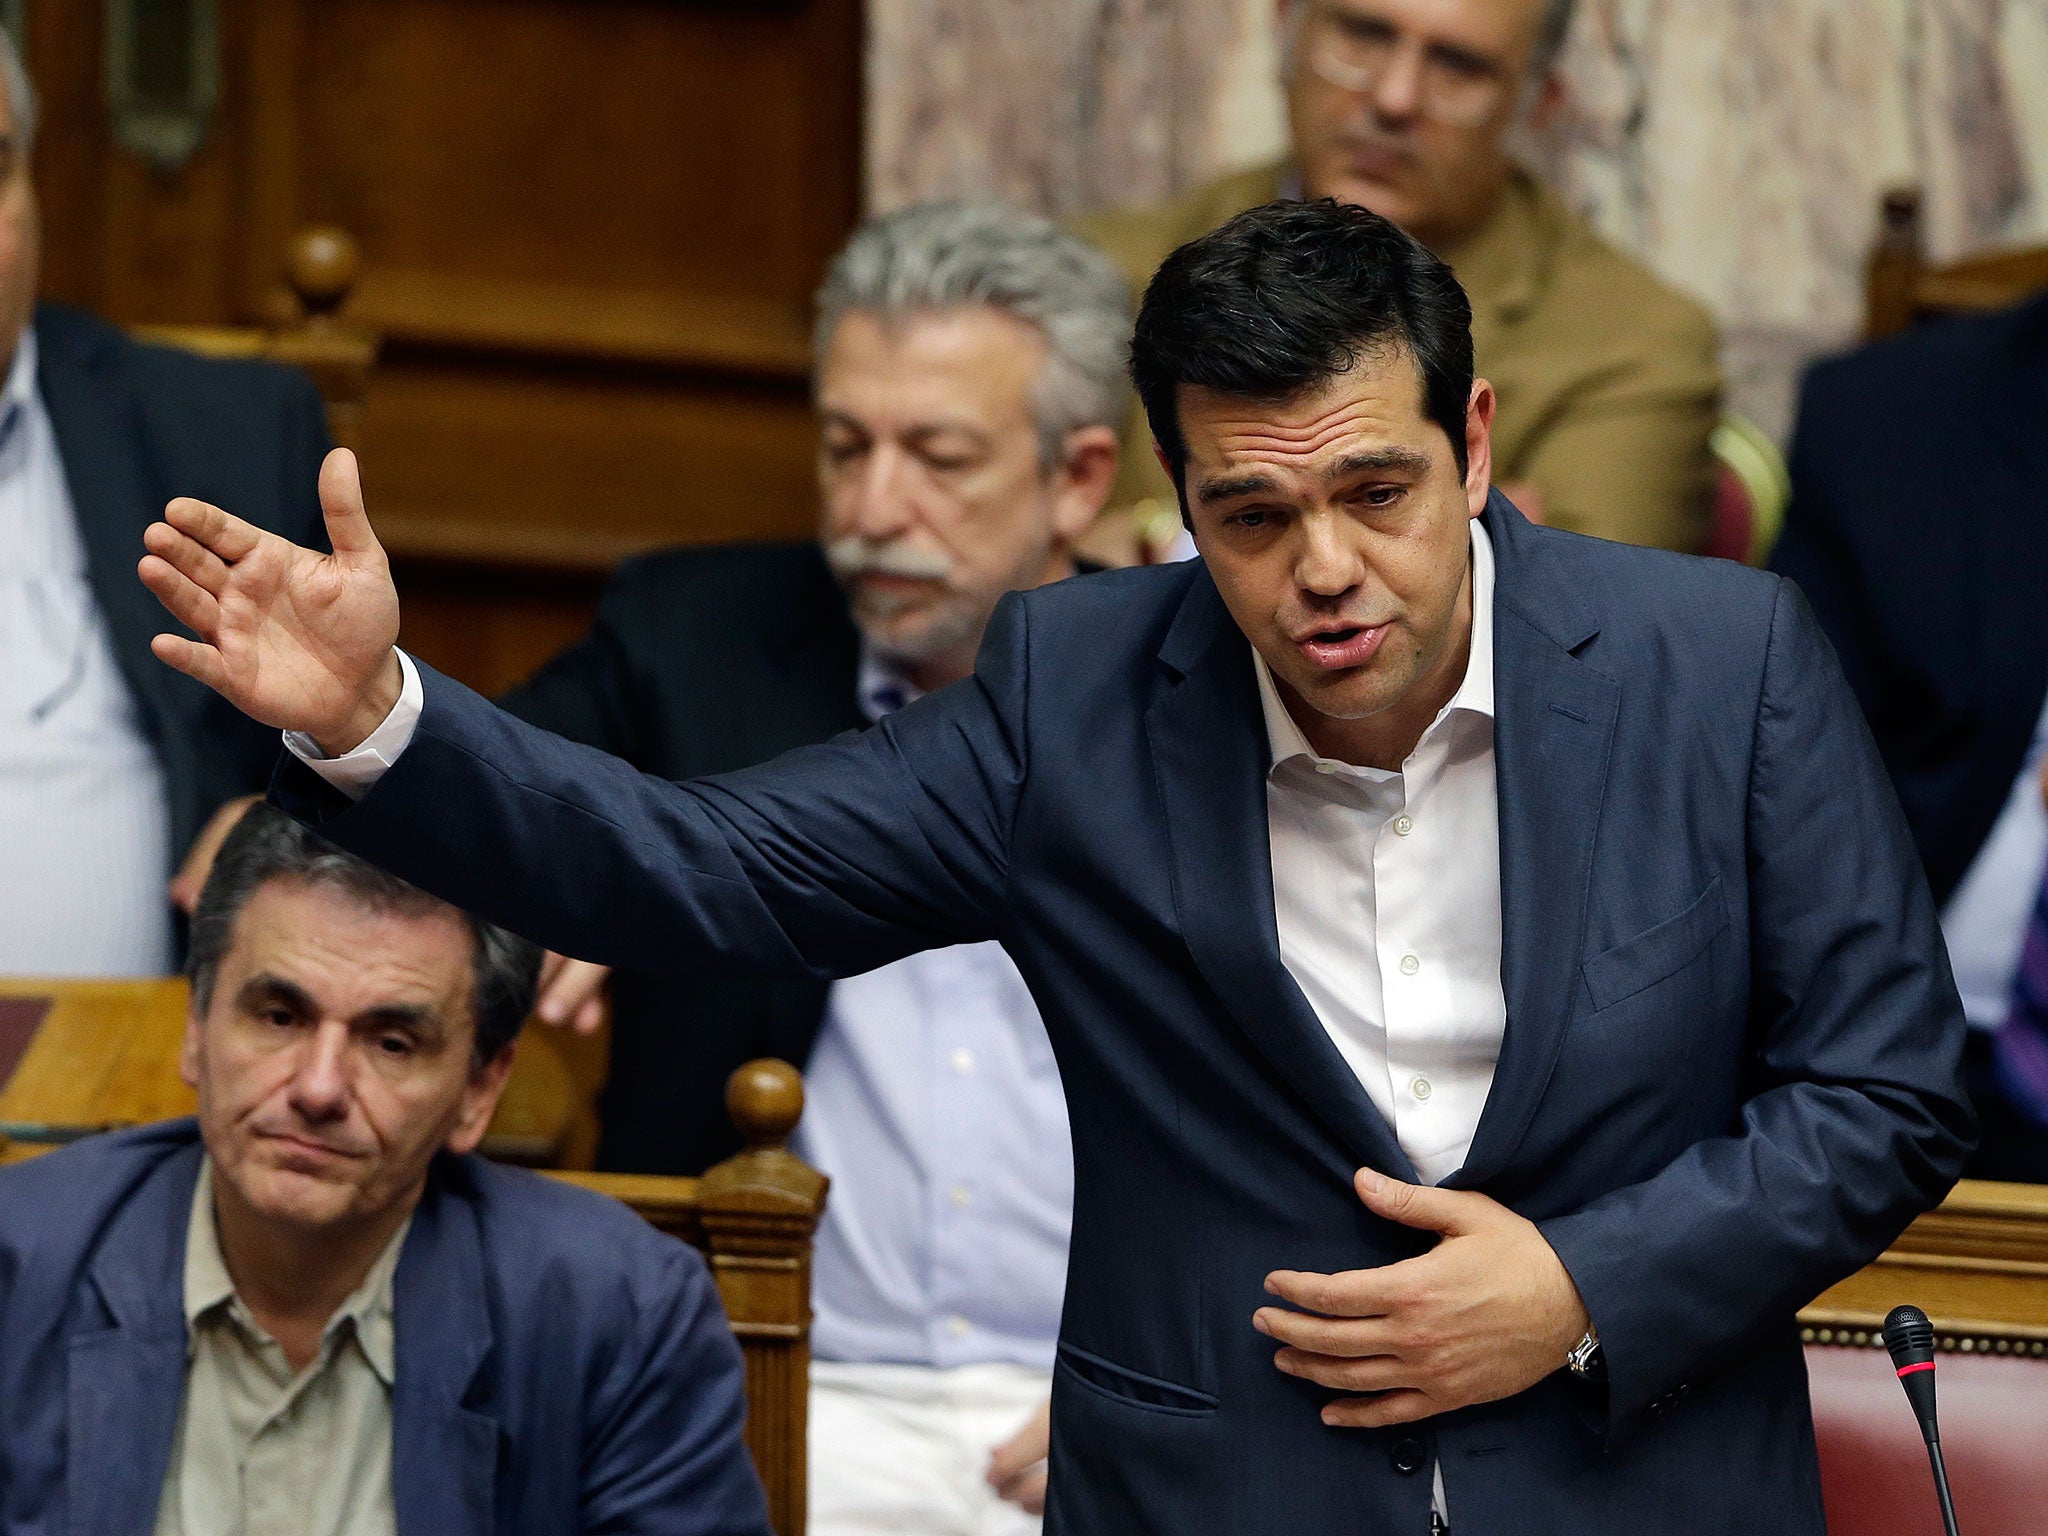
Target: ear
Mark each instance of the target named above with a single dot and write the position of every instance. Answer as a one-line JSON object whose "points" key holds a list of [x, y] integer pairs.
{"points": [[1548, 101], [1082, 482], [480, 1097], [188, 1052], [1478, 446]]}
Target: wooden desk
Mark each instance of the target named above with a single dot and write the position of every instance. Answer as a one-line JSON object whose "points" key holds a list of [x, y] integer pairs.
{"points": [[106, 1053]]}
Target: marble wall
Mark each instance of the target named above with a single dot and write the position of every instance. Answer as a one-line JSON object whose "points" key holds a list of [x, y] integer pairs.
{"points": [[1738, 145]]}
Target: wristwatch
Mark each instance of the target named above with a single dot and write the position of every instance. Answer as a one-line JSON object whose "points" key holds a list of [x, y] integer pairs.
{"points": [[1585, 1358]]}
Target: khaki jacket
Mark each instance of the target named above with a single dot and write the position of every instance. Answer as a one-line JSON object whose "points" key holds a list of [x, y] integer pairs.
{"points": [[1607, 378]]}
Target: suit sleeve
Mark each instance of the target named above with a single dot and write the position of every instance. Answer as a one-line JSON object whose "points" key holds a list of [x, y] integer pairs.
{"points": [[664, 1453], [827, 861], [1858, 1119]]}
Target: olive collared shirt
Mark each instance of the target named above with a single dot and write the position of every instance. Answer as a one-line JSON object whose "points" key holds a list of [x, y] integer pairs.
{"points": [[1607, 378], [263, 1450]]}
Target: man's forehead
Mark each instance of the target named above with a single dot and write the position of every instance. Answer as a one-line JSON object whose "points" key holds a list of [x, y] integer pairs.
{"points": [[350, 954], [1484, 23], [1375, 403]]}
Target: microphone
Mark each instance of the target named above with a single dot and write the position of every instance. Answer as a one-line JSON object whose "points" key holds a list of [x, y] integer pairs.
{"points": [[1910, 1338]]}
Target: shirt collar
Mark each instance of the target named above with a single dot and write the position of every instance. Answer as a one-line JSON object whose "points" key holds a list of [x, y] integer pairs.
{"points": [[367, 1311], [882, 687], [1284, 738]]}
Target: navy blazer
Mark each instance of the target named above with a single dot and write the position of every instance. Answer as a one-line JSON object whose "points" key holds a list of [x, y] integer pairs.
{"points": [[1730, 1074], [1919, 530], [135, 425], [561, 1366]]}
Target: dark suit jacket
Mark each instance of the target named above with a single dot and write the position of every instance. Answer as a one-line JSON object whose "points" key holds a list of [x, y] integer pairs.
{"points": [[702, 661], [1919, 531], [1730, 1073], [561, 1365], [137, 425]]}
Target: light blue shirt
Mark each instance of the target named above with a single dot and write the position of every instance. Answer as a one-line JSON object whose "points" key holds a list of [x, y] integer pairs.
{"points": [[1985, 919], [84, 813], [933, 1101]]}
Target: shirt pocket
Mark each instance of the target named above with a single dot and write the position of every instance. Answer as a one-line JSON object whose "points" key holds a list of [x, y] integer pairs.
{"points": [[1636, 964]]}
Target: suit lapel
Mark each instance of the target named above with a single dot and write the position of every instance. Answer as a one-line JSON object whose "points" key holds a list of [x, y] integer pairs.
{"points": [[98, 433], [444, 1455], [126, 1383], [1209, 752], [1554, 721]]}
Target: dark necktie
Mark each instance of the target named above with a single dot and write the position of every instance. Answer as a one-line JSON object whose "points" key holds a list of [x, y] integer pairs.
{"points": [[2020, 1049]]}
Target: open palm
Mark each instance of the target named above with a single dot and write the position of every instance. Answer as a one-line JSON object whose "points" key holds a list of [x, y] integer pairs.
{"points": [[289, 636]]}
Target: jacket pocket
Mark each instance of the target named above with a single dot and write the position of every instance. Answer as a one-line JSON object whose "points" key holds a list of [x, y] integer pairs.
{"points": [[1133, 1388], [1641, 962]]}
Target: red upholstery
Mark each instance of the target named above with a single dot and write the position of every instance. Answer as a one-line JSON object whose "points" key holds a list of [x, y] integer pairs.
{"points": [[1733, 518], [1873, 1467]]}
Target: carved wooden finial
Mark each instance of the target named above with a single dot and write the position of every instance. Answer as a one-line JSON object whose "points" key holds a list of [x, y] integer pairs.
{"points": [[765, 1099], [322, 266]]}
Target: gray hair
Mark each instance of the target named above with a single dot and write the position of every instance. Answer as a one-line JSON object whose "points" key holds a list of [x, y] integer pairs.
{"points": [[21, 95], [268, 845], [946, 255]]}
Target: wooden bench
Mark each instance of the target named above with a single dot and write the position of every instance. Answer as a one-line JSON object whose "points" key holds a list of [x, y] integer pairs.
{"points": [[1901, 286]]}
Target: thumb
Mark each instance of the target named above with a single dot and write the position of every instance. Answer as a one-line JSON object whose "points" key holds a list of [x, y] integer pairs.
{"points": [[341, 503], [1425, 1207]]}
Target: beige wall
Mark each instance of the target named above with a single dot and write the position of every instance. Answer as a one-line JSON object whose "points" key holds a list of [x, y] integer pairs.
{"points": [[1738, 145]]}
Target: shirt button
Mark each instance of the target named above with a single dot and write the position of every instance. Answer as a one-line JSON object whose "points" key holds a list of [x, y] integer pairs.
{"points": [[1403, 825], [961, 1195], [1410, 965], [957, 1326], [962, 1061], [1324, 765], [1421, 1089]]}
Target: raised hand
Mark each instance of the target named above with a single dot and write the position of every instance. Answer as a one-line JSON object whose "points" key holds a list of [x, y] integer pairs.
{"points": [[290, 637]]}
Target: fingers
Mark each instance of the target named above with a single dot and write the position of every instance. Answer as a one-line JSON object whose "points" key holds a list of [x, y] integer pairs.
{"points": [[198, 661], [341, 503], [1401, 1406], [572, 992], [1026, 1490], [1380, 1373], [189, 603], [191, 877], [1017, 1467], [222, 532], [1449, 1211], [193, 560], [1326, 1335], [1355, 1293]]}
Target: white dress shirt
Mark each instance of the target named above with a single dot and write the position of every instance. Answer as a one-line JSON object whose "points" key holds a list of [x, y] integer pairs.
{"points": [[1386, 892], [84, 814]]}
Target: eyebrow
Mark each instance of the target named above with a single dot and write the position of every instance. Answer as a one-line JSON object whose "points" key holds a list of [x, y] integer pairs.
{"points": [[917, 431], [421, 1019], [1400, 461]]}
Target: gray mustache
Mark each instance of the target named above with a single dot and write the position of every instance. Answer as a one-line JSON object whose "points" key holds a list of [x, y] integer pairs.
{"points": [[858, 556]]}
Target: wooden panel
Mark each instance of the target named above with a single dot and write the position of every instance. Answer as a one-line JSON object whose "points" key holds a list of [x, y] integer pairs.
{"points": [[590, 231]]}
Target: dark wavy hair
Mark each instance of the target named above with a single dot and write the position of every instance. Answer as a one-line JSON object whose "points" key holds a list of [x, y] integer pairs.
{"points": [[1282, 299], [267, 845]]}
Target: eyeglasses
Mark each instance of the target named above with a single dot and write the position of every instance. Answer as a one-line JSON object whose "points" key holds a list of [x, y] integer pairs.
{"points": [[1455, 86]]}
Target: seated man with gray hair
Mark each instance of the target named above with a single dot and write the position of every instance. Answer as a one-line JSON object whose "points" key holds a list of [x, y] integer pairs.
{"points": [[314, 1310], [970, 392]]}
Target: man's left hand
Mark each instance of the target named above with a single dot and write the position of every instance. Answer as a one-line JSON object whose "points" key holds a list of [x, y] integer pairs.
{"points": [[1483, 1315], [1016, 1468]]}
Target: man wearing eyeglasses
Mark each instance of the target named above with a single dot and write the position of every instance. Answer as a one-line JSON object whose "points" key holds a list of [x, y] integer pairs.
{"points": [[1606, 378]]}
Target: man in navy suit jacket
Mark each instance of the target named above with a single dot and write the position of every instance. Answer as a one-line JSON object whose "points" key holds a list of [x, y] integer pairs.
{"points": [[1701, 1028], [1918, 532], [314, 1301]]}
